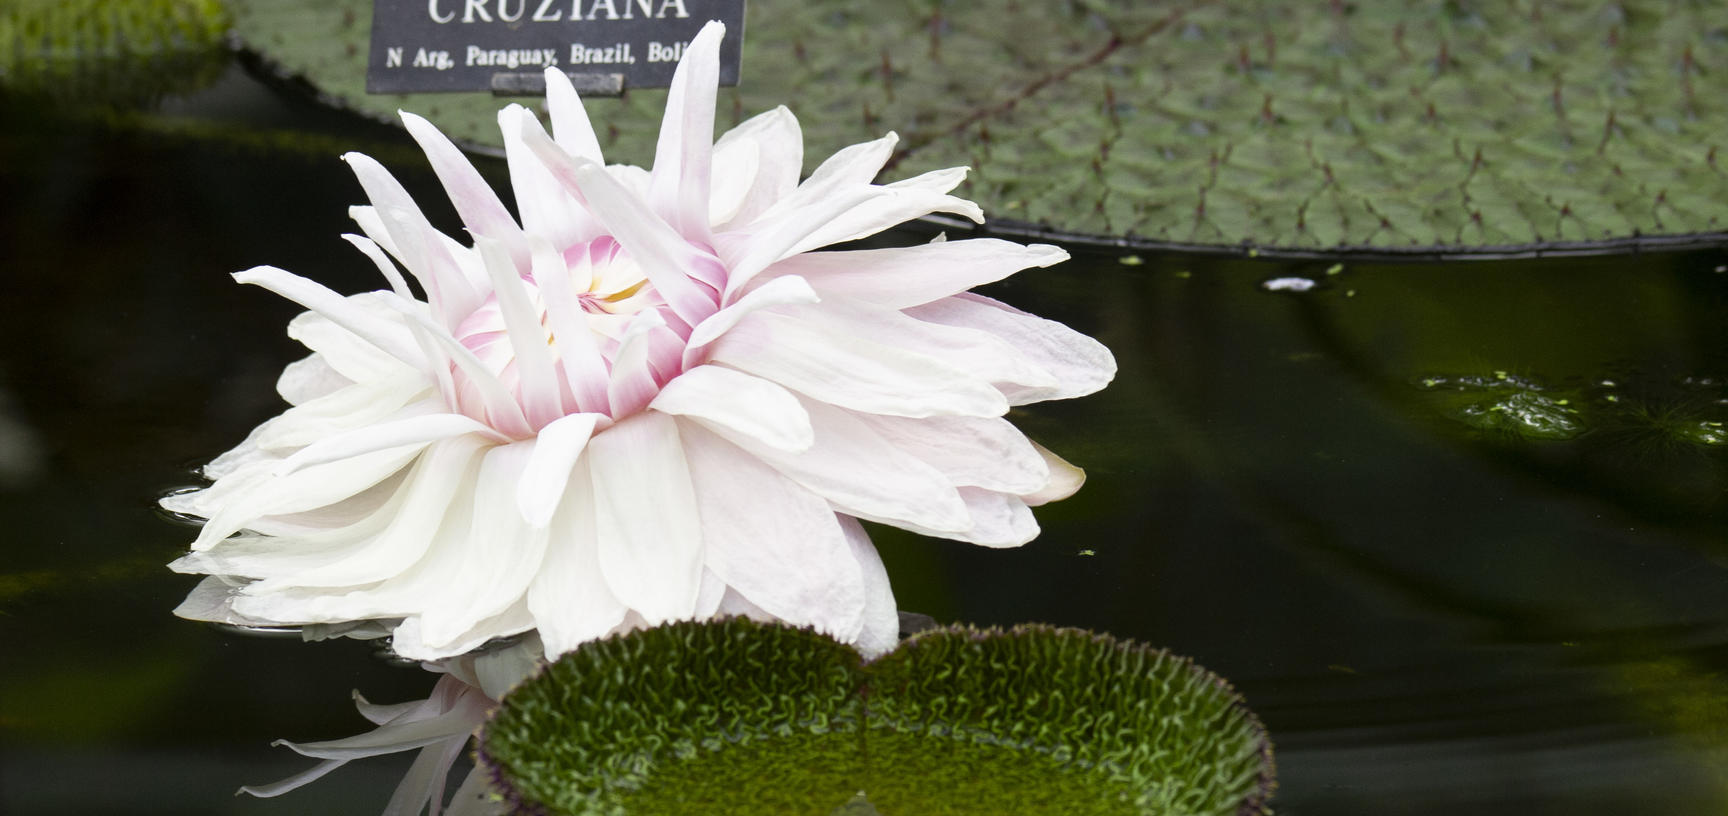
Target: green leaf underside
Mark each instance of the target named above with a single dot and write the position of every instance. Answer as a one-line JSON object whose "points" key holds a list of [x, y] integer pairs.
{"points": [[1297, 125], [738, 717]]}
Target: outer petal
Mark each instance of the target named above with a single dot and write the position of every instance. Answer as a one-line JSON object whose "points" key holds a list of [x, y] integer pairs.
{"points": [[774, 542], [881, 629], [861, 474], [902, 277], [570, 598], [744, 404], [852, 371], [1081, 364], [776, 147], [646, 517], [679, 190], [986, 452]]}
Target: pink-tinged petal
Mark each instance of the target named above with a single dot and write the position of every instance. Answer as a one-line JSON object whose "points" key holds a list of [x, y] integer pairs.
{"points": [[778, 292], [632, 385], [584, 367], [420, 248], [646, 517], [381, 713], [501, 408], [1065, 479], [1081, 365], [679, 189], [860, 473], [788, 555], [741, 403], [495, 575], [903, 277], [569, 598], [548, 212], [986, 452], [570, 125], [537, 383], [373, 252], [663, 254], [853, 371], [411, 430], [307, 489], [476, 202], [775, 237], [549, 468], [412, 520], [384, 334], [880, 631]]}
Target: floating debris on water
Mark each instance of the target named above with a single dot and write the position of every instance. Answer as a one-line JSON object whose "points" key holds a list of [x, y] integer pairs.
{"points": [[1288, 285]]}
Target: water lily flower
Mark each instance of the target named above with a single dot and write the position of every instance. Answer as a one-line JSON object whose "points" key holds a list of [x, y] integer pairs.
{"points": [[644, 400], [439, 727]]}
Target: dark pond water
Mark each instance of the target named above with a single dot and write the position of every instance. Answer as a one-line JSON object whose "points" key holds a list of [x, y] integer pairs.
{"points": [[1458, 532]]}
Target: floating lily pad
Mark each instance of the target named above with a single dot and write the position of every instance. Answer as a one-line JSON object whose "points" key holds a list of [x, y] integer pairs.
{"points": [[1450, 129], [1506, 404], [739, 717], [114, 51]]}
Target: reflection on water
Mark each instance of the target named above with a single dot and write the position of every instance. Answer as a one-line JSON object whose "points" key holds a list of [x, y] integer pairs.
{"points": [[1433, 612]]}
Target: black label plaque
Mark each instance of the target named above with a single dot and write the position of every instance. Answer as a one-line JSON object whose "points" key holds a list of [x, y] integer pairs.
{"points": [[504, 45]]}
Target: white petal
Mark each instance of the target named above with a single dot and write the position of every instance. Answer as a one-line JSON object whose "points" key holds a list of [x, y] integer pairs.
{"points": [[710, 594], [679, 189], [778, 161], [548, 213], [502, 555], [556, 450], [453, 292], [645, 509], [861, 474], [570, 125], [423, 500], [986, 452], [1081, 365], [771, 540], [1065, 479], [569, 598], [851, 371], [778, 292], [902, 277], [307, 489], [741, 403], [408, 641], [356, 406], [584, 367], [476, 202], [425, 779], [375, 253], [881, 620], [298, 780], [309, 378], [537, 383], [407, 431], [385, 335]]}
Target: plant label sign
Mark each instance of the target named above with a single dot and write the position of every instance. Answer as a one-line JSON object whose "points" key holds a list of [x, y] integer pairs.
{"points": [[504, 46]]}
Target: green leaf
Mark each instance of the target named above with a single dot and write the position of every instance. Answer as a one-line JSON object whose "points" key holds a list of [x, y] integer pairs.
{"points": [[1309, 127], [111, 51], [739, 717]]}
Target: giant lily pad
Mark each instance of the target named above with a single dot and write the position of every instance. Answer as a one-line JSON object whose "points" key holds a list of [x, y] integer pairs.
{"points": [[739, 717], [1276, 126], [113, 51]]}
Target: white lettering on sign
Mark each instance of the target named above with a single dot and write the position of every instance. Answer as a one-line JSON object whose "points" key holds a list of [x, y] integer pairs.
{"points": [[439, 60], [511, 58], [616, 54], [658, 52], [486, 11]]}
